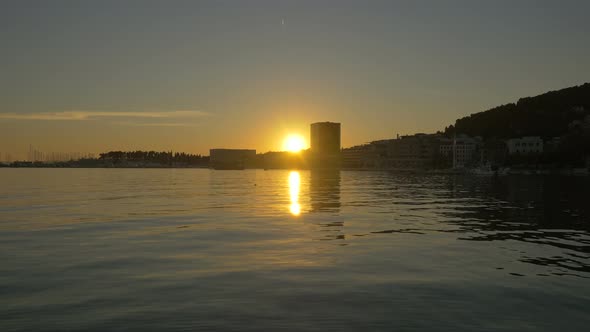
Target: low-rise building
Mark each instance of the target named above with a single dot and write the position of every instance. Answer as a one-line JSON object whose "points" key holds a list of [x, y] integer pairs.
{"points": [[417, 151], [525, 145], [464, 147], [407, 152], [359, 156]]}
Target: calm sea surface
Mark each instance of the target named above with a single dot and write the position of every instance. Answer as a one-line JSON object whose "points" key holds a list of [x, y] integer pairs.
{"points": [[194, 249]]}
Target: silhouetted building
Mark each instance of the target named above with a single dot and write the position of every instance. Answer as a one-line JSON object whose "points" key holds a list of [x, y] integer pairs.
{"points": [[411, 152], [231, 158], [325, 144], [525, 145], [325, 137], [381, 153], [358, 156], [464, 147]]}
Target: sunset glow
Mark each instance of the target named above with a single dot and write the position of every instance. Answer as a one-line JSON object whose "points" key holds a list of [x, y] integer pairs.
{"points": [[294, 143], [305, 165]]}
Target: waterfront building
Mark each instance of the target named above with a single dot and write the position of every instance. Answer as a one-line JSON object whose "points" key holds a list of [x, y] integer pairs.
{"points": [[359, 156], [525, 145], [417, 151], [325, 144], [461, 149], [325, 138], [381, 152], [408, 152]]}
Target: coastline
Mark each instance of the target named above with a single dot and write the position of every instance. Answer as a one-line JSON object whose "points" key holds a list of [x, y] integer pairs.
{"points": [[447, 171]]}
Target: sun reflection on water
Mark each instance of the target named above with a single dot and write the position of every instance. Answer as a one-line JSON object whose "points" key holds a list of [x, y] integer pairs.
{"points": [[294, 188]]}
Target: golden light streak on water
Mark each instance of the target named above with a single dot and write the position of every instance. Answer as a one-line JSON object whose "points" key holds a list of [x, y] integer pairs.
{"points": [[294, 189]]}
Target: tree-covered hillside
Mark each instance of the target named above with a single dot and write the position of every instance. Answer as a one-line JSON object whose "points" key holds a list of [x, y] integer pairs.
{"points": [[551, 114]]}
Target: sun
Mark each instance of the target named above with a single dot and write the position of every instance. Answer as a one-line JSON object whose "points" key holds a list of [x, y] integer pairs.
{"points": [[293, 143]]}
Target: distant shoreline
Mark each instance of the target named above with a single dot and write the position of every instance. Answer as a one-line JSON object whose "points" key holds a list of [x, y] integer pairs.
{"points": [[531, 171]]}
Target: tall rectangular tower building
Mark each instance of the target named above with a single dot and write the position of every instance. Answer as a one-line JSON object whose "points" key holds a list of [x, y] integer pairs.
{"points": [[325, 138]]}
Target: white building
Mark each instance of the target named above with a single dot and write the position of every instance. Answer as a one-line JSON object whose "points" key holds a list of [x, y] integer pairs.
{"points": [[525, 145]]}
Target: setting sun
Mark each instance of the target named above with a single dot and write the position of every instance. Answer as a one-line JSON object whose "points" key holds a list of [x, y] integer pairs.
{"points": [[294, 143]]}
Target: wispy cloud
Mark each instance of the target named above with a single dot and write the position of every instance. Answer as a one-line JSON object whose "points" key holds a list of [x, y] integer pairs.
{"points": [[90, 115], [156, 124]]}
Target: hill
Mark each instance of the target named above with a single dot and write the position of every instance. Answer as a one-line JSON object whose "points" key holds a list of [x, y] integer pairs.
{"points": [[551, 114]]}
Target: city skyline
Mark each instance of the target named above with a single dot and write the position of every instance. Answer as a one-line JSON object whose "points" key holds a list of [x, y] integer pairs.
{"points": [[189, 76]]}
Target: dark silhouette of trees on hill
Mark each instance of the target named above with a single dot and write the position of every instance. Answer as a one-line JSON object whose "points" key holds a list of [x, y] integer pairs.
{"points": [[561, 116], [163, 158], [548, 115]]}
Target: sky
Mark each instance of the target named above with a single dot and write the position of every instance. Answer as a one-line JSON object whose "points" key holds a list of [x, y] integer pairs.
{"points": [[94, 76]]}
